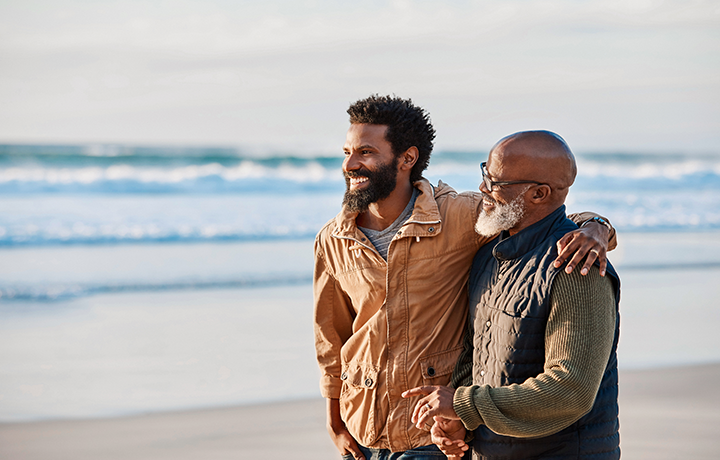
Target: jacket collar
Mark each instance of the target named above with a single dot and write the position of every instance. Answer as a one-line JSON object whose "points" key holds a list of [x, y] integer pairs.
{"points": [[524, 241], [425, 212]]}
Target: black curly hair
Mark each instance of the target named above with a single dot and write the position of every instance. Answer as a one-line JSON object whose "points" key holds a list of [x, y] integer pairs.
{"points": [[408, 126]]}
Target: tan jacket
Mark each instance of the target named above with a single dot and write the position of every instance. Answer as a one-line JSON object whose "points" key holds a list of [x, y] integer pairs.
{"points": [[384, 327]]}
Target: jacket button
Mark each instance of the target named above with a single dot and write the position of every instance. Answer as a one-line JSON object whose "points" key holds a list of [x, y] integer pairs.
{"points": [[431, 229], [431, 371], [488, 324], [368, 382], [482, 373], [343, 376]]}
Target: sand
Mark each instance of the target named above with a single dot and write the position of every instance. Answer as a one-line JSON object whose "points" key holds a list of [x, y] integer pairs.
{"points": [[163, 351], [669, 413]]}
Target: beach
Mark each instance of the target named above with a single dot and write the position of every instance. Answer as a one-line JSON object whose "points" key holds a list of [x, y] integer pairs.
{"points": [[166, 166], [228, 371], [157, 303], [667, 413]]}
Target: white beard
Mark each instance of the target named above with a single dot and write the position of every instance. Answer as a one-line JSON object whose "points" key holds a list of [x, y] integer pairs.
{"points": [[502, 217]]}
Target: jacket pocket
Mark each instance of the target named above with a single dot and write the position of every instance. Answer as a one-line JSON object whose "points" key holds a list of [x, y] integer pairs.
{"points": [[437, 368], [358, 399]]}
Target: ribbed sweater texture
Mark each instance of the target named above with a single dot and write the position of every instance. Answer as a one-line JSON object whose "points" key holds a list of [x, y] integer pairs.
{"points": [[578, 342]]}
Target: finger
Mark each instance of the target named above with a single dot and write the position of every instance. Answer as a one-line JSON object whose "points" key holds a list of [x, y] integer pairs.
{"points": [[355, 451], [416, 410], [573, 243], [423, 419], [576, 259], [417, 391], [453, 450], [420, 408], [603, 262], [437, 434], [441, 440], [592, 255], [561, 246], [450, 450]]}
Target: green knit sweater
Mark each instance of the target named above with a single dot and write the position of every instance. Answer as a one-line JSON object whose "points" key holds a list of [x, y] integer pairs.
{"points": [[578, 341]]}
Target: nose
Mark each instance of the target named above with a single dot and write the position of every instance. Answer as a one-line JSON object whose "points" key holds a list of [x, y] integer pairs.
{"points": [[483, 188], [350, 163]]}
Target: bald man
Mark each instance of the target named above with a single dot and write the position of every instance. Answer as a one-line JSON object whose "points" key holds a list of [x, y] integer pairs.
{"points": [[538, 375]]}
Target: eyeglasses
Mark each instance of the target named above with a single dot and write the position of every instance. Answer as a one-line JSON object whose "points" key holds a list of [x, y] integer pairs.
{"points": [[490, 184]]}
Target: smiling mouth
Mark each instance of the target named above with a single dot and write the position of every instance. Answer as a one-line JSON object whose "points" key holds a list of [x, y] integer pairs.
{"points": [[357, 181], [488, 202]]}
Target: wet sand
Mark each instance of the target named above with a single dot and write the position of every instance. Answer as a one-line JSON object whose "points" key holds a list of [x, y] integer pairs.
{"points": [[667, 413]]}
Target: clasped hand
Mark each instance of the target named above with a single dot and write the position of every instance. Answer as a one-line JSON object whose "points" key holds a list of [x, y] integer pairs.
{"points": [[436, 405]]}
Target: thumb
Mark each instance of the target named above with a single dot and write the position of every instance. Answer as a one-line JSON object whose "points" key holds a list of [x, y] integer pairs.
{"points": [[356, 452]]}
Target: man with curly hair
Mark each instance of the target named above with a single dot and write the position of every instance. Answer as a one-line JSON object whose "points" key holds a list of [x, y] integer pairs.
{"points": [[390, 280]]}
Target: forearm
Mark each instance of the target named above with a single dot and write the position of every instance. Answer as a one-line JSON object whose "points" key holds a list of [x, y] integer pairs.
{"points": [[332, 325], [579, 337], [334, 421]]}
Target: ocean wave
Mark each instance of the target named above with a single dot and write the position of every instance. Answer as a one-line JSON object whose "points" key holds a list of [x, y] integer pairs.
{"points": [[59, 292], [247, 176], [672, 170], [34, 235], [252, 177]]}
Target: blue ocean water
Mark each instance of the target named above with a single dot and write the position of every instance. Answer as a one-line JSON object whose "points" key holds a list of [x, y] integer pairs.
{"points": [[146, 279], [100, 195]]}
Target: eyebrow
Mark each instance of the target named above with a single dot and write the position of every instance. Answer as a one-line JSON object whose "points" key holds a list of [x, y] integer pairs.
{"points": [[361, 147]]}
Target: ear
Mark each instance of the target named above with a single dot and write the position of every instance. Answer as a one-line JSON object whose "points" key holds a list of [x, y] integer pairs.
{"points": [[541, 194], [408, 159]]}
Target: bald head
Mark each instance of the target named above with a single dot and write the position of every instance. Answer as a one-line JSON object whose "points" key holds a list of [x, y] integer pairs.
{"points": [[534, 171], [540, 156]]}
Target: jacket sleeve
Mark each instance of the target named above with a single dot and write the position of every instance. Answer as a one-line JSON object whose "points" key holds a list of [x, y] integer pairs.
{"points": [[582, 217], [578, 341], [333, 319]]}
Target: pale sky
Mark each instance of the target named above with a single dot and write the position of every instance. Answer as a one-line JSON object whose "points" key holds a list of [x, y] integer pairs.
{"points": [[628, 75]]}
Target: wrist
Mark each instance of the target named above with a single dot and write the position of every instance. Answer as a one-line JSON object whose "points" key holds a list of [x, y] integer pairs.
{"points": [[597, 220]]}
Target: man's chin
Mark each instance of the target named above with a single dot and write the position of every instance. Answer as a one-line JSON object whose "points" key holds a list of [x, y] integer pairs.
{"points": [[500, 218], [485, 226], [357, 200]]}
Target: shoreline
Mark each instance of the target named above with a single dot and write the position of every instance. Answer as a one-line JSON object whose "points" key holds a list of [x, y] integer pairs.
{"points": [[665, 413]]}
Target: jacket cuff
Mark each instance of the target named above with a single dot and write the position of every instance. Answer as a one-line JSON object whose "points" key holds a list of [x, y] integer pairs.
{"points": [[330, 387], [464, 406]]}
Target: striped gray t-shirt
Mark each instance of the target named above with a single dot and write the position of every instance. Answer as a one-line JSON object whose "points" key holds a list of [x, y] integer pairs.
{"points": [[381, 238]]}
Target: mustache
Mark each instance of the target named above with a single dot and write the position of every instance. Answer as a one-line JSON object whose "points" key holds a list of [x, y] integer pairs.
{"points": [[359, 173], [488, 197]]}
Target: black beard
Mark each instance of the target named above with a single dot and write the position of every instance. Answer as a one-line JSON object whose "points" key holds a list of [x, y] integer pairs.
{"points": [[381, 184]]}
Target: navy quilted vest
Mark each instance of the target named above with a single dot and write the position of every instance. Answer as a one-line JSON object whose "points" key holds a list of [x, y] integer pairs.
{"points": [[510, 284]]}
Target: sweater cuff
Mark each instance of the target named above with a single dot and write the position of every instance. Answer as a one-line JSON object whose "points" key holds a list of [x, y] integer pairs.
{"points": [[464, 406]]}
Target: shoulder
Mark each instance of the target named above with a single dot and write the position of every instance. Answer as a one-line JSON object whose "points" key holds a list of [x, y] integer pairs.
{"points": [[575, 285], [450, 200], [324, 235]]}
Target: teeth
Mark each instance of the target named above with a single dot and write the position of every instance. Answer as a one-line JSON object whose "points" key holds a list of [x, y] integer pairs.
{"points": [[358, 180]]}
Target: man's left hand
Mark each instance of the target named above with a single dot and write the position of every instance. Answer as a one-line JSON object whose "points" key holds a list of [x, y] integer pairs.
{"points": [[591, 241], [449, 436], [436, 401]]}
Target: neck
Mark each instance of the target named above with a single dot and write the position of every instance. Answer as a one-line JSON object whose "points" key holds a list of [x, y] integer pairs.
{"points": [[532, 217], [381, 214]]}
